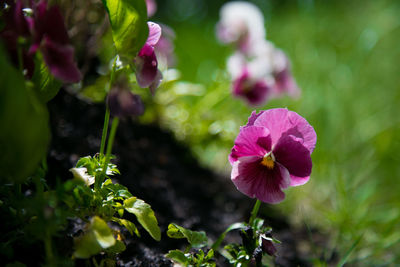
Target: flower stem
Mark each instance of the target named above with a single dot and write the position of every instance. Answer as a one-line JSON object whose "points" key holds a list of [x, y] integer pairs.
{"points": [[105, 129], [110, 142], [254, 212]]}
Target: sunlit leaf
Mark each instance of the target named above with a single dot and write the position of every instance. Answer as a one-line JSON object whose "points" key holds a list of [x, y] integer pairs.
{"points": [[45, 85], [196, 239], [130, 226], [145, 216], [128, 20], [177, 256]]}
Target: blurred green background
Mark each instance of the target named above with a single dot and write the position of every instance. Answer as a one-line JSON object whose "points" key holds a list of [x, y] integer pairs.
{"points": [[345, 57]]}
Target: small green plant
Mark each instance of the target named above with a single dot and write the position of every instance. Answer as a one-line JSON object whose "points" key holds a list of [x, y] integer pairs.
{"points": [[105, 202]]}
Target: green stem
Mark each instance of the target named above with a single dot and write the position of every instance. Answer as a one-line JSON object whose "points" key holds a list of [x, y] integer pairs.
{"points": [[254, 212], [110, 142], [105, 129], [49, 250]]}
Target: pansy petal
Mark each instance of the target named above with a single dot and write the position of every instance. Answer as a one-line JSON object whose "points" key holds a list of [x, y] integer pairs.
{"points": [[296, 181], [251, 141], [275, 120], [282, 121], [291, 153], [255, 180], [156, 82], [60, 60], [146, 66], [55, 27], [302, 129], [151, 7], [154, 33]]}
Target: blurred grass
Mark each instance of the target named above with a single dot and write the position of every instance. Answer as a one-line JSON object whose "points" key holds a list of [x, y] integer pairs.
{"points": [[345, 57]]}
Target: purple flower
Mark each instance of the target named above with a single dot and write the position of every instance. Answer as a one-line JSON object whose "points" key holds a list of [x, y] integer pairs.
{"points": [[51, 37], [147, 73], [254, 91], [46, 32], [271, 153], [16, 27]]}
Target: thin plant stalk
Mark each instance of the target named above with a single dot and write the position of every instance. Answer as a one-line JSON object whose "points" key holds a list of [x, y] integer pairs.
{"points": [[107, 115], [254, 212], [105, 129], [110, 142]]}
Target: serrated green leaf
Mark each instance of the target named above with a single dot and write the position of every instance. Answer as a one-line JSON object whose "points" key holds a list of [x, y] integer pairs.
{"points": [[24, 134], [177, 256], [128, 19], [45, 85], [145, 216], [196, 239]]}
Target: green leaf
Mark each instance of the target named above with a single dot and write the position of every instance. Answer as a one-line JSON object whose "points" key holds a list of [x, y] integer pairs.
{"points": [[128, 19], [130, 226], [24, 134], [102, 232], [86, 246], [45, 85], [117, 248], [234, 226], [145, 216], [177, 256], [196, 239]]}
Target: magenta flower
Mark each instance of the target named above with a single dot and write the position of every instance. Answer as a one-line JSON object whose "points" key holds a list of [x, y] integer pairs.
{"points": [[48, 34], [147, 73], [254, 91], [271, 153]]}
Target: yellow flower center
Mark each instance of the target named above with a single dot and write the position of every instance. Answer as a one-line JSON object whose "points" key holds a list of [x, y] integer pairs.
{"points": [[268, 161]]}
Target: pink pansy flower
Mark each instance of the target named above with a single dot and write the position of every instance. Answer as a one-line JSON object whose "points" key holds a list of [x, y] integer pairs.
{"points": [[147, 73], [241, 23], [254, 91], [271, 153]]}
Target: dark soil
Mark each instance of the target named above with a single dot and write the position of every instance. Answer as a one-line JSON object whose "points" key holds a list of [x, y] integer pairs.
{"points": [[162, 171]]}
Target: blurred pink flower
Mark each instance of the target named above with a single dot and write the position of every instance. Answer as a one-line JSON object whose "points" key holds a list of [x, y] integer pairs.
{"points": [[48, 34], [254, 91], [147, 73], [284, 80], [165, 47], [242, 24], [271, 153], [151, 7]]}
